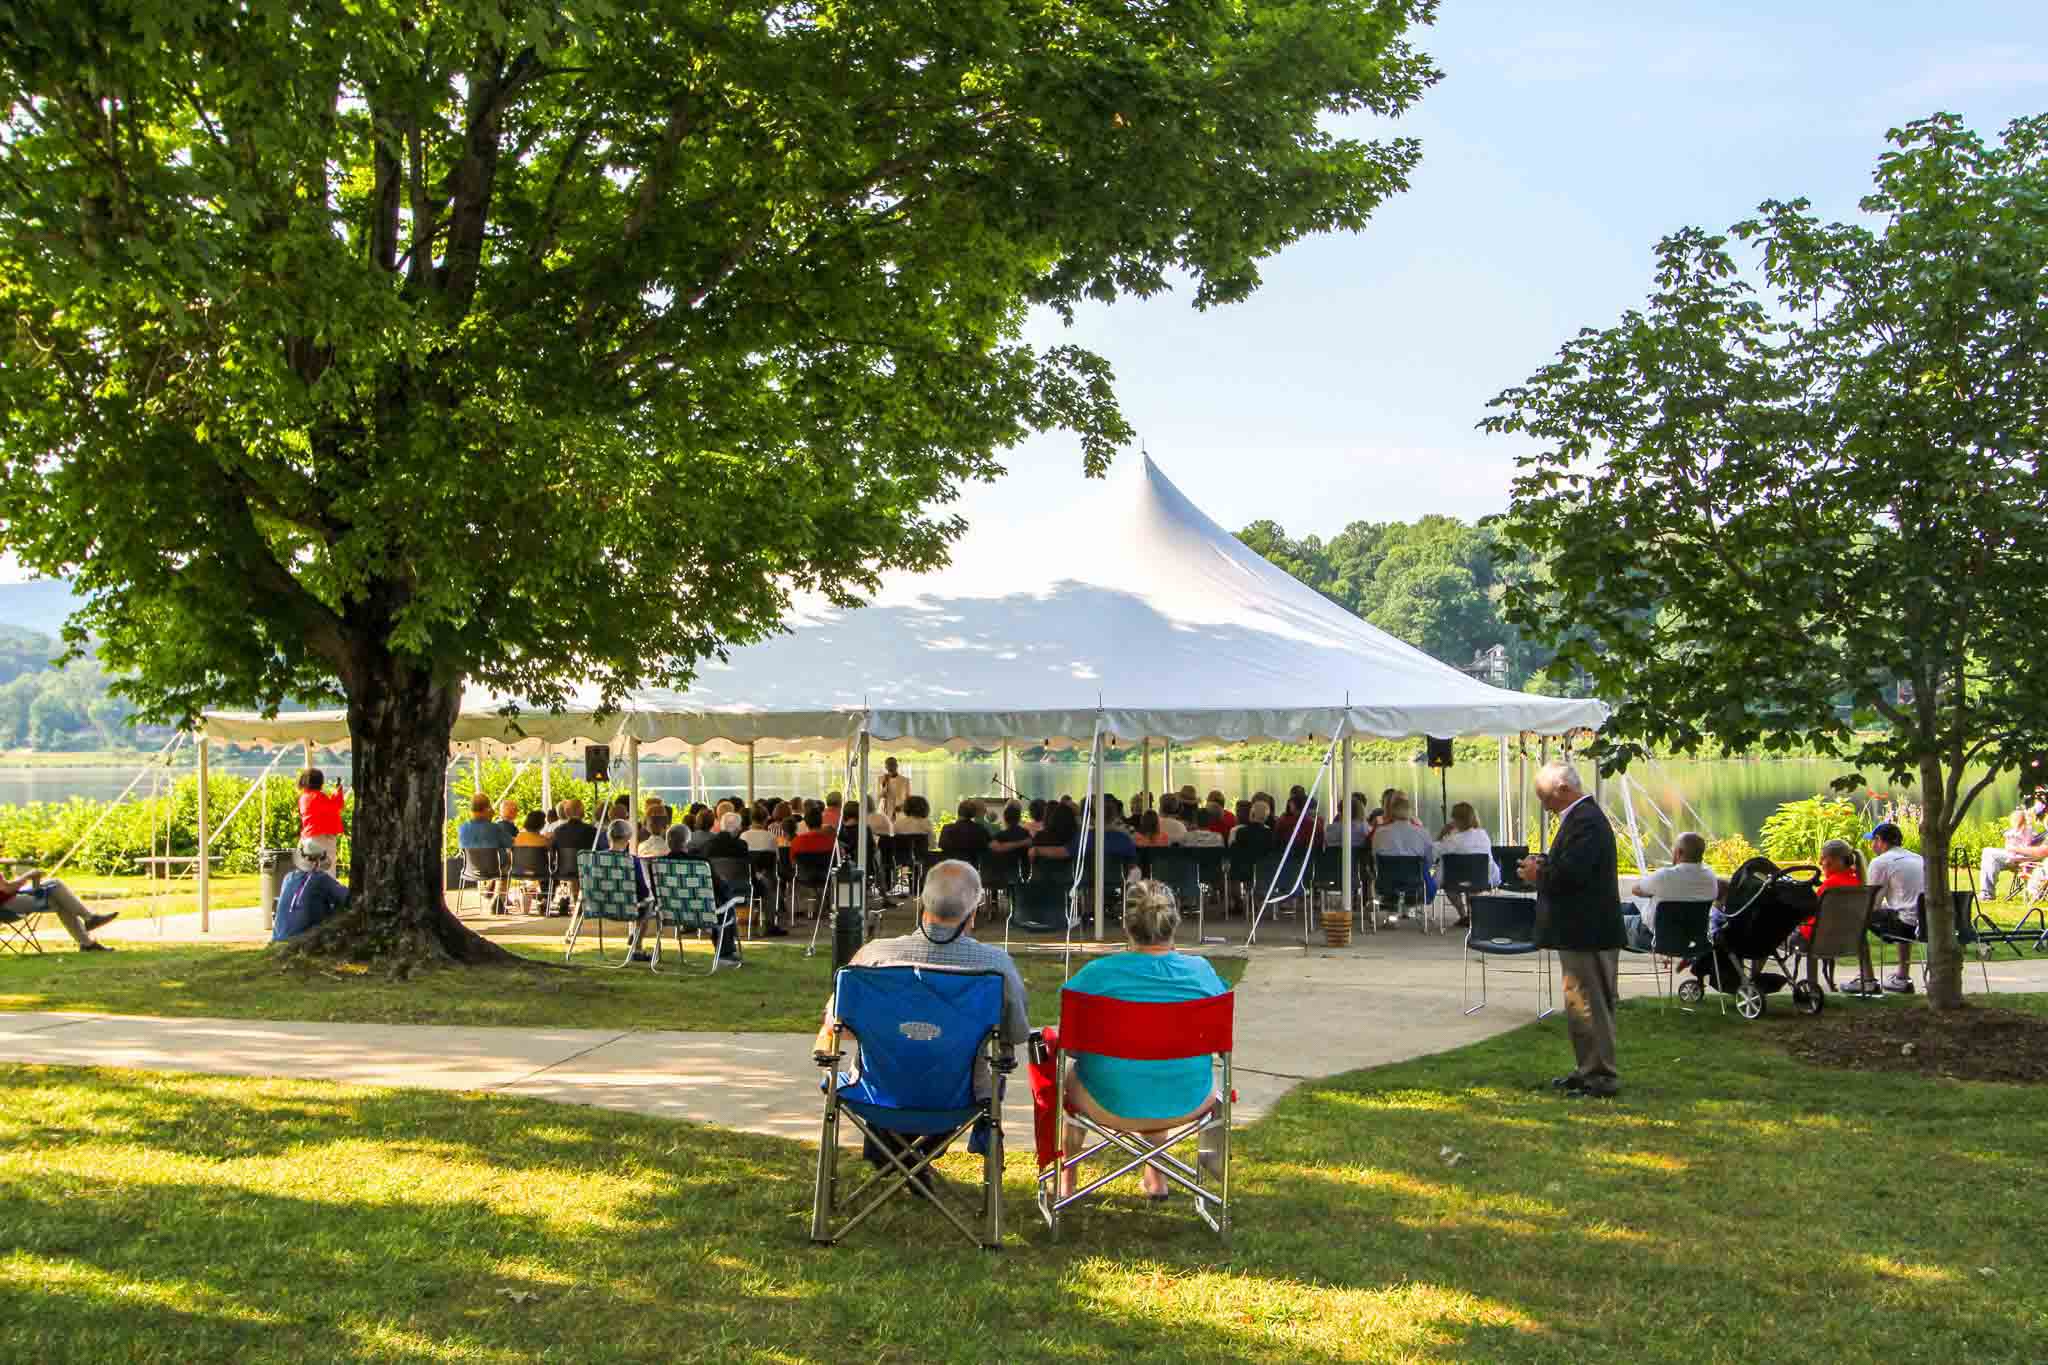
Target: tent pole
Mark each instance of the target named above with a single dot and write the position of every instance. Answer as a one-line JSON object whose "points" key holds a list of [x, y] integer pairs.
{"points": [[1101, 812], [205, 888], [309, 753], [1166, 778], [1500, 810], [1542, 825], [633, 780], [547, 784], [1344, 799], [860, 809], [1522, 789], [750, 774], [1003, 773], [476, 768], [1145, 766]]}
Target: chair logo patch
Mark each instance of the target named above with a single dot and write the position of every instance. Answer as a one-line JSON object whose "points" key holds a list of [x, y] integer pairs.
{"points": [[918, 1031]]}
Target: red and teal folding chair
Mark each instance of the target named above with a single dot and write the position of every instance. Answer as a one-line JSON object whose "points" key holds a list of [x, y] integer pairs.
{"points": [[1146, 1032]]}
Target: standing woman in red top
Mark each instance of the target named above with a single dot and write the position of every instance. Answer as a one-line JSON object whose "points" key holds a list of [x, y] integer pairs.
{"points": [[319, 814]]}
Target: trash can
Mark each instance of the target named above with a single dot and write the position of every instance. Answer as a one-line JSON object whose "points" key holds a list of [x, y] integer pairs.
{"points": [[273, 863]]}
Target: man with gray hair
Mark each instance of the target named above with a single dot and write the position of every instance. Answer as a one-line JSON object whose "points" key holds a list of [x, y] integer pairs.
{"points": [[1687, 879], [1578, 914], [952, 894]]}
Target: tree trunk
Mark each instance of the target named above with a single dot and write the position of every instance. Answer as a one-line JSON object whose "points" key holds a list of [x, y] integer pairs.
{"points": [[400, 721], [1944, 955]]}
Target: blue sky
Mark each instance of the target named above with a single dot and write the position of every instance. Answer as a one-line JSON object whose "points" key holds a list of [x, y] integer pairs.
{"points": [[1564, 139]]}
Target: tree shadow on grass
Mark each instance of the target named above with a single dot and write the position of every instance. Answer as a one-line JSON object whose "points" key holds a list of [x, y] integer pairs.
{"points": [[1704, 1216]]}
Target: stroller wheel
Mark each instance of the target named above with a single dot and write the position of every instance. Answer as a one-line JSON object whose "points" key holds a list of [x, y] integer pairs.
{"points": [[1691, 992], [1807, 997], [1749, 1002]]}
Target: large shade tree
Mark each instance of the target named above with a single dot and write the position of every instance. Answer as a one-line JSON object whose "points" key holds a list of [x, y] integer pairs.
{"points": [[360, 348], [1755, 505]]}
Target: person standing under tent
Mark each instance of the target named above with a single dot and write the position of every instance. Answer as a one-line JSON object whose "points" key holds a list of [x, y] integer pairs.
{"points": [[893, 790], [1578, 915], [320, 813]]}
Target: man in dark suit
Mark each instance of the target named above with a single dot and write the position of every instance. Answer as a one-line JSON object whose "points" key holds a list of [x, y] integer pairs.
{"points": [[1578, 914]]}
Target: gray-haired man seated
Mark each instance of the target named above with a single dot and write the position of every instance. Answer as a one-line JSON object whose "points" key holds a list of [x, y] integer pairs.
{"points": [[943, 938]]}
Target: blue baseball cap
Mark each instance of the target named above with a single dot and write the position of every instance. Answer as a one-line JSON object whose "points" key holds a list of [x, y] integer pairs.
{"points": [[1886, 831]]}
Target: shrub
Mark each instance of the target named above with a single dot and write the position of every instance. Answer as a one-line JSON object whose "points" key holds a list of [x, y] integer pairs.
{"points": [[1795, 831], [1725, 855]]}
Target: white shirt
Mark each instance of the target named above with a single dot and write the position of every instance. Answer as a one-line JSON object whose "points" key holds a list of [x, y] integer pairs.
{"points": [[912, 824], [1471, 841], [893, 791], [1173, 829], [759, 839], [1678, 882], [1903, 876], [653, 846]]}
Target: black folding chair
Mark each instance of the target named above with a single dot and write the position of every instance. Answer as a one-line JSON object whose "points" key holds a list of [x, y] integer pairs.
{"points": [[1681, 937], [767, 870], [809, 872], [1041, 904], [906, 858], [533, 864], [1505, 926], [1177, 868], [1399, 880], [1465, 875], [480, 865], [1508, 858], [1966, 935]]}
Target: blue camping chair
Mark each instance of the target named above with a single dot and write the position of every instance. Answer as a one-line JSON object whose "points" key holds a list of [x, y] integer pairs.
{"points": [[1505, 926], [611, 893], [922, 1033], [686, 897]]}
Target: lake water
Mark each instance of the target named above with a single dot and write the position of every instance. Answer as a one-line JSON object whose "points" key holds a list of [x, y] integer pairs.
{"points": [[1718, 798]]}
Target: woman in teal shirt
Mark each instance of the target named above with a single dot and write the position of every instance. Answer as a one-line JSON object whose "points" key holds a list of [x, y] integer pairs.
{"points": [[1133, 1096]]}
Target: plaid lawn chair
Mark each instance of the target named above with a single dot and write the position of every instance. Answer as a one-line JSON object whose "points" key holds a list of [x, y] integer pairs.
{"points": [[921, 1033], [611, 892], [686, 897]]}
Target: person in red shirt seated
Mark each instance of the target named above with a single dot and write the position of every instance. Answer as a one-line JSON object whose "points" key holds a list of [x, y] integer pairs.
{"points": [[320, 814], [1840, 865], [814, 837]]}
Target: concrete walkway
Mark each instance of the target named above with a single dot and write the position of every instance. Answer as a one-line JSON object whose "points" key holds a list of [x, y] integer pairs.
{"points": [[1302, 1014]]}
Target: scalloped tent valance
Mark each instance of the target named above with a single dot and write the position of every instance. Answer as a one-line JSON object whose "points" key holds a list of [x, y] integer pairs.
{"points": [[1162, 625]]}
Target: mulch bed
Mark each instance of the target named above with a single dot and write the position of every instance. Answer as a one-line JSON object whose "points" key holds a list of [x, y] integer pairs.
{"points": [[1974, 1044]]}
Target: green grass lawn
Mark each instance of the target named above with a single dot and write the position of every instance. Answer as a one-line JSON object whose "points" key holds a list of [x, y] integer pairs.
{"points": [[778, 990], [1735, 1206]]}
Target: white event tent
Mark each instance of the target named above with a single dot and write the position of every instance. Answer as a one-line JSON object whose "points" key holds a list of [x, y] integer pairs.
{"points": [[1138, 620]]}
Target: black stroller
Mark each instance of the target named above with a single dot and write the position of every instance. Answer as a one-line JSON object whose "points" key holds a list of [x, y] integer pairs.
{"points": [[1766, 905]]}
